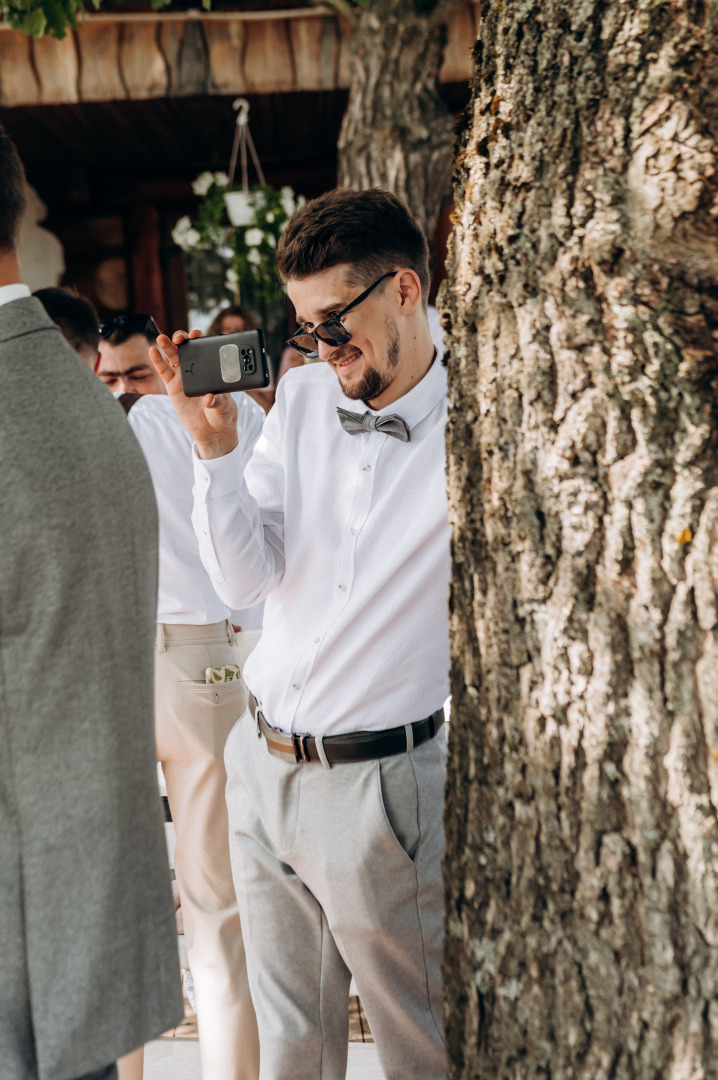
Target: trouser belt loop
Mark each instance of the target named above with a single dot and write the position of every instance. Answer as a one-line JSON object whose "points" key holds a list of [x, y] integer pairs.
{"points": [[230, 632], [319, 743], [160, 638], [255, 711], [409, 730]]}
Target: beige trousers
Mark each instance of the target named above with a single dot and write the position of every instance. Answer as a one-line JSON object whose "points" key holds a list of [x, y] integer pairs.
{"points": [[192, 722]]}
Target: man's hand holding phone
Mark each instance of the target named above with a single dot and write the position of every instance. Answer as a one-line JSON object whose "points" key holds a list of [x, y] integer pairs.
{"points": [[212, 419]]}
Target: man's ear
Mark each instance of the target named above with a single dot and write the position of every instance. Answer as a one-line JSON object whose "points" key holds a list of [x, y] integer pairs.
{"points": [[409, 287]]}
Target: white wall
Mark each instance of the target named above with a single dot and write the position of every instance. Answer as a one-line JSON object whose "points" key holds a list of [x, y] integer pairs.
{"points": [[41, 255]]}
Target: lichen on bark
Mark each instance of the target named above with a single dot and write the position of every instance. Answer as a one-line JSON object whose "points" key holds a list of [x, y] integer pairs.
{"points": [[582, 311]]}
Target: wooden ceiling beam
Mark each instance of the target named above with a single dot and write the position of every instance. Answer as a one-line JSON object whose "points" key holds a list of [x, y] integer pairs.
{"points": [[144, 55]]}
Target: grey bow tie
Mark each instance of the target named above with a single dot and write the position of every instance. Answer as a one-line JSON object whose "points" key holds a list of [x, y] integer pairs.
{"points": [[356, 423]]}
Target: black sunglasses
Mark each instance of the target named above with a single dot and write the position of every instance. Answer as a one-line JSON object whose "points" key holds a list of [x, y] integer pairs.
{"points": [[332, 331], [125, 326]]}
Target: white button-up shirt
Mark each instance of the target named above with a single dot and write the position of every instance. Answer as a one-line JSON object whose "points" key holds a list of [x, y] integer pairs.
{"points": [[348, 537], [185, 593], [8, 293]]}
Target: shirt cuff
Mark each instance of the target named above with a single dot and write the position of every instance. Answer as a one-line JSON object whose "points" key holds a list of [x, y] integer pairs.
{"points": [[215, 477]]}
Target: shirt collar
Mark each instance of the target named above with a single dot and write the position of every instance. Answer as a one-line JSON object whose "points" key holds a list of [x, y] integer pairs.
{"points": [[13, 292], [418, 403]]}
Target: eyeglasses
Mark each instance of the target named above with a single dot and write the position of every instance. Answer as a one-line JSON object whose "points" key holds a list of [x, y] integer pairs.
{"points": [[332, 331], [125, 326]]}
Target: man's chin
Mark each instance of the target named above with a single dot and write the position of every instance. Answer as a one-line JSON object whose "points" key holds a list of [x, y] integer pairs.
{"points": [[364, 388]]}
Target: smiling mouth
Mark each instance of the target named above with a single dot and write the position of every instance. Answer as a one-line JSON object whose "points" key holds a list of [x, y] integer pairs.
{"points": [[346, 360]]}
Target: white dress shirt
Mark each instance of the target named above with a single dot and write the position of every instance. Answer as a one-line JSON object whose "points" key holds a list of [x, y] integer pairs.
{"points": [[9, 293], [348, 538], [185, 592]]}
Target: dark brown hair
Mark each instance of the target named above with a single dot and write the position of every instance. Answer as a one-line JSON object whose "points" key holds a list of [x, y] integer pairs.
{"points": [[371, 231], [12, 191], [250, 323], [75, 316]]}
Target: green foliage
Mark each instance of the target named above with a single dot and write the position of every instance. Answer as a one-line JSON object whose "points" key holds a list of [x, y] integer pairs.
{"points": [[243, 257], [53, 17]]}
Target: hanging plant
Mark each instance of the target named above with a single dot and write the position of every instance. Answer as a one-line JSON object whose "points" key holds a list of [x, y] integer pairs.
{"points": [[246, 252]]}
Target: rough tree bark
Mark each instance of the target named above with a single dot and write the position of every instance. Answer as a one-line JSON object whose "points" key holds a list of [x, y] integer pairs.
{"points": [[397, 134], [582, 864]]}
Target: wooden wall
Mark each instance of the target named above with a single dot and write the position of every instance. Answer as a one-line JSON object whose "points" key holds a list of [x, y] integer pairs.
{"points": [[160, 56]]}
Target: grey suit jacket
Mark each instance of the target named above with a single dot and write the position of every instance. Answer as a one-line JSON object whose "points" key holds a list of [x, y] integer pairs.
{"points": [[88, 947]]}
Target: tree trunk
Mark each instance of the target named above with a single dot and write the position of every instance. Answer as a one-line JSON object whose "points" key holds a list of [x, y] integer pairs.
{"points": [[582, 861], [397, 134]]}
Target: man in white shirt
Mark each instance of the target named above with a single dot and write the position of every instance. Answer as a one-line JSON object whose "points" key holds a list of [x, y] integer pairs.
{"points": [[336, 772], [192, 721]]}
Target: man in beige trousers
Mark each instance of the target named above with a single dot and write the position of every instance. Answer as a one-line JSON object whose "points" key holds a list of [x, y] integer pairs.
{"points": [[192, 721]]}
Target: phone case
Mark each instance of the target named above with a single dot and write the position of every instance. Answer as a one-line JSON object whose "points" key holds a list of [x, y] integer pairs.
{"points": [[226, 362]]}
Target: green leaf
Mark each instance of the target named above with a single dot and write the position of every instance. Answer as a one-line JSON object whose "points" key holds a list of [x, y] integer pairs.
{"points": [[34, 22], [57, 18]]}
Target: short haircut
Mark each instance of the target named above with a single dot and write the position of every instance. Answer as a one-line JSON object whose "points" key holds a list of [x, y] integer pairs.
{"points": [[372, 232], [117, 329], [250, 323], [12, 192], [75, 317]]}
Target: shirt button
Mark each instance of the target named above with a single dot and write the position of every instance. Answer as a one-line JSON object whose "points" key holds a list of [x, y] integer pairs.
{"points": [[317, 640], [296, 686], [343, 588], [367, 468], [353, 532]]}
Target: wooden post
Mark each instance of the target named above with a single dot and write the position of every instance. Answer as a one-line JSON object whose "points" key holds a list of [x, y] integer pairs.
{"points": [[146, 283]]}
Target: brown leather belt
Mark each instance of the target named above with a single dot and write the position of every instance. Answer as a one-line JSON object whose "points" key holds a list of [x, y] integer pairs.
{"points": [[358, 746]]}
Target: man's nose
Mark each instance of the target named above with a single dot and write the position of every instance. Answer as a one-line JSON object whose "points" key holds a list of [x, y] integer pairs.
{"points": [[325, 351], [126, 386]]}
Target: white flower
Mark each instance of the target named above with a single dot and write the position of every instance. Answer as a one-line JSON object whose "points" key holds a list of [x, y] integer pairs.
{"points": [[254, 256], [224, 251], [184, 235], [271, 240], [287, 197], [300, 201], [231, 278], [203, 183], [269, 217], [221, 179], [253, 237]]}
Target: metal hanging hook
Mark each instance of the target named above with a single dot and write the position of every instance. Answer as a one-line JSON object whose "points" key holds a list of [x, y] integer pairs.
{"points": [[242, 141], [242, 107]]}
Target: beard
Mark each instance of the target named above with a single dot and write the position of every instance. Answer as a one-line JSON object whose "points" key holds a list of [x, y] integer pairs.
{"points": [[372, 383]]}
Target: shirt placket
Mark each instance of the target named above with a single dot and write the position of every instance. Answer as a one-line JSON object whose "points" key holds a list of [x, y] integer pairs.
{"points": [[365, 478]]}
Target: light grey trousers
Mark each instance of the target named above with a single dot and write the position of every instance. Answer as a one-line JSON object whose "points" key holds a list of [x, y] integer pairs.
{"points": [[338, 873]]}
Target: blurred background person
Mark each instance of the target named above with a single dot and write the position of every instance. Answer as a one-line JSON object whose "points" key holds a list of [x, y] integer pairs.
{"points": [[124, 365], [290, 358], [76, 319], [229, 320]]}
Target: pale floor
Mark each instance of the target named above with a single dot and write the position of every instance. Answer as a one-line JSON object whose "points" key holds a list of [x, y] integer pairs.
{"points": [[178, 1059]]}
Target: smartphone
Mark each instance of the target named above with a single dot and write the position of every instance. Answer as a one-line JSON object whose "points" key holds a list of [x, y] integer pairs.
{"points": [[226, 362]]}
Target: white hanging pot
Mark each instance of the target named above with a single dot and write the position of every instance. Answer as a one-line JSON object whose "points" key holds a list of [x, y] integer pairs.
{"points": [[239, 207]]}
